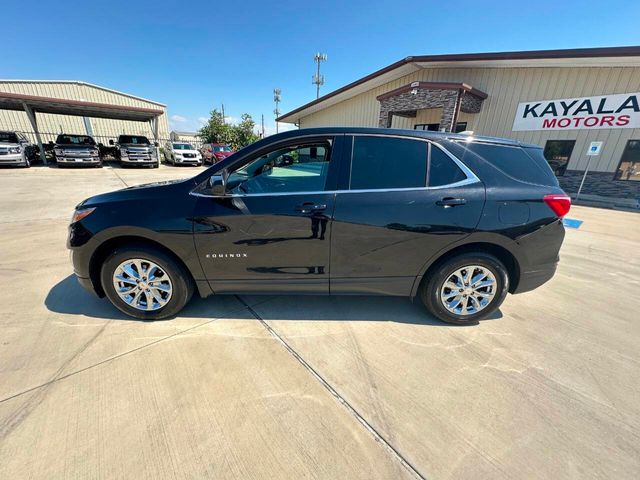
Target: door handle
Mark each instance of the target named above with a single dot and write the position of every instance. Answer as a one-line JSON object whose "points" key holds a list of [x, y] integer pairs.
{"points": [[448, 202], [308, 207]]}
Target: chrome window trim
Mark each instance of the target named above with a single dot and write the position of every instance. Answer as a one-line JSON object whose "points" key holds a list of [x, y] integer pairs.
{"points": [[471, 177]]}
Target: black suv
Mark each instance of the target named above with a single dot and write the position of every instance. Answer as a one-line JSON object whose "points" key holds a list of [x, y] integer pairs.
{"points": [[454, 220]]}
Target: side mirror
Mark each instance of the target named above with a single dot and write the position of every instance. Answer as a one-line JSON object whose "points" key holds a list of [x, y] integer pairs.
{"points": [[100, 145], [218, 184], [156, 144], [110, 142], [51, 143]]}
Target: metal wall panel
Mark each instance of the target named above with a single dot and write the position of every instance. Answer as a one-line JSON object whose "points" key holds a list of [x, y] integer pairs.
{"points": [[506, 88], [51, 125]]}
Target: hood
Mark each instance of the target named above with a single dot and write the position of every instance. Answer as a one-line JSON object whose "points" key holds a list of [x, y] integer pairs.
{"points": [[222, 154], [186, 151], [9, 145], [156, 190]]}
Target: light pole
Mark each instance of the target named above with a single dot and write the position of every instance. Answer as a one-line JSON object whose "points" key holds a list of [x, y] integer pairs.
{"points": [[276, 99], [318, 79]]}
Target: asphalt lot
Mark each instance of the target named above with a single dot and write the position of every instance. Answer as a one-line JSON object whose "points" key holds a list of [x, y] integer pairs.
{"points": [[350, 387]]}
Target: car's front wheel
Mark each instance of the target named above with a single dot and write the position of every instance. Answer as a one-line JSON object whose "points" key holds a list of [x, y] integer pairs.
{"points": [[145, 282], [465, 288]]}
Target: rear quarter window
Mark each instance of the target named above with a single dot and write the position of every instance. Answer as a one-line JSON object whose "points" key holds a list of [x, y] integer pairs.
{"points": [[526, 164]]}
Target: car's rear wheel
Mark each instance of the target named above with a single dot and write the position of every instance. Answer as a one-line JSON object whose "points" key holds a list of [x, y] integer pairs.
{"points": [[145, 282], [465, 288]]}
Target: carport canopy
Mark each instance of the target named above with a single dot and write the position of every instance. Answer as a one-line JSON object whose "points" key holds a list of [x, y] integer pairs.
{"points": [[32, 104]]}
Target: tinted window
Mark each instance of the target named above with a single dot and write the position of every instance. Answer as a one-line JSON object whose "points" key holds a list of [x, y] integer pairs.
{"points": [[524, 164], [134, 139], [558, 153], [296, 168], [629, 168], [443, 170], [75, 140], [383, 162], [8, 137]]}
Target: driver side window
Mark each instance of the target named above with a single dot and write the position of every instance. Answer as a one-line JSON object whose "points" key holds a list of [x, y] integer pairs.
{"points": [[290, 169]]}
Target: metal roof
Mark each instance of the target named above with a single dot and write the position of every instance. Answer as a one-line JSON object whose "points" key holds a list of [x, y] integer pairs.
{"points": [[577, 57], [86, 84], [17, 101]]}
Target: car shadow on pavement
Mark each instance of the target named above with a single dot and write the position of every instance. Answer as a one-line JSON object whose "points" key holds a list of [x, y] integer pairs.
{"points": [[68, 297]]}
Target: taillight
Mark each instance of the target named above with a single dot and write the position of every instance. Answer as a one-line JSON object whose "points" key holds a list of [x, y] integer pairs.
{"points": [[560, 204]]}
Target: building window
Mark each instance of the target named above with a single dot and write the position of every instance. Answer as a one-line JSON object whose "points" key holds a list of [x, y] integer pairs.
{"points": [[434, 127], [629, 168], [558, 153]]}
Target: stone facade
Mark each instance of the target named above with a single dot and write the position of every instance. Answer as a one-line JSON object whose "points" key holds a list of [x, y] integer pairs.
{"points": [[599, 183], [406, 104]]}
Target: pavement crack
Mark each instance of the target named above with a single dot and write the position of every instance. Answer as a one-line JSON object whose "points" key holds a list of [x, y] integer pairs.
{"points": [[343, 401]]}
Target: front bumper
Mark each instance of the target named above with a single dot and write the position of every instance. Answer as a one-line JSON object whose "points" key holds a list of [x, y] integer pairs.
{"points": [[12, 159], [78, 160], [139, 161]]}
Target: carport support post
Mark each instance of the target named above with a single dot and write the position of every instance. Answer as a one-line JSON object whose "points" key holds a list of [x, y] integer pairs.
{"points": [[32, 118], [153, 123]]}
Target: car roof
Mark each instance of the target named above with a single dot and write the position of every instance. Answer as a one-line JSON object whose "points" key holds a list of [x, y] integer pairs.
{"points": [[430, 135]]}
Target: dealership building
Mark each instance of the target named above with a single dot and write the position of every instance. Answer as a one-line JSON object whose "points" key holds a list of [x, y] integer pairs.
{"points": [[562, 100], [42, 109]]}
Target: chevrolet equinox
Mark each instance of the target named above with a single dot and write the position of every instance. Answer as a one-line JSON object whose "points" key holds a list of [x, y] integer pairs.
{"points": [[453, 220]]}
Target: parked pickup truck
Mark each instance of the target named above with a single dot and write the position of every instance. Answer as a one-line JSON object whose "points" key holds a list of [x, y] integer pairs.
{"points": [[136, 150], [15, 149], [77, 150]]}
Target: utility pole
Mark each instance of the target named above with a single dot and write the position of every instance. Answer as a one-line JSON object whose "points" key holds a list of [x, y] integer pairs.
{"points": [[318, 79], [276, 99], [223, 120], [262, 121]]}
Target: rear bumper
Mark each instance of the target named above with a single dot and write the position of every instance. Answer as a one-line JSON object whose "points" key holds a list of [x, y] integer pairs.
{"points": [[532, 279]]}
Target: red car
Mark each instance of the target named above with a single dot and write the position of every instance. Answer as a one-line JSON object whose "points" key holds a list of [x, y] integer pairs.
{"points": [[214, 152]]}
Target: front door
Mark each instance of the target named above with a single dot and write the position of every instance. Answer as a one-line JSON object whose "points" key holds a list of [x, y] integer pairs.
{"points": [[272, 229], [403, 202]]}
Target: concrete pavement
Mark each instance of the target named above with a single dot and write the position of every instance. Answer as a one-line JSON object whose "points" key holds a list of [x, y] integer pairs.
{"points": [[351, 387]]}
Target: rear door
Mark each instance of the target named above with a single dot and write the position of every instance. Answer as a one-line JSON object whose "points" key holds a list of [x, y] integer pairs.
{"points": [[402, 200]]}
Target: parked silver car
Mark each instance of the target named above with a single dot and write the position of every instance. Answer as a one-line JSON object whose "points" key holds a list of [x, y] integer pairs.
{"points": [[15, 149]]}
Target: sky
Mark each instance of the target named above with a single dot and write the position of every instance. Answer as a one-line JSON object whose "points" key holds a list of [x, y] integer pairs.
{"points": [[194, 56]]}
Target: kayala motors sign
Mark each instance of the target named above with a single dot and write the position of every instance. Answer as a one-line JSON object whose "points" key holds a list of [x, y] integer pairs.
{"points": [[606, 111]]}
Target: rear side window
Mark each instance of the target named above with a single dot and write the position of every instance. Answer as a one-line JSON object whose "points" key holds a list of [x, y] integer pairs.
{"points": [[443, 170], [386, 162], [524, 164]]}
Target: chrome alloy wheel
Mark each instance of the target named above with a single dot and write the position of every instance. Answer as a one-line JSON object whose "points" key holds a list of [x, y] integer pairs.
{"points": [[142, 284], [468, 290]]}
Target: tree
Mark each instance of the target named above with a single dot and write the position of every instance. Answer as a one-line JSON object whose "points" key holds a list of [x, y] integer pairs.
{"points": [[238, 136], [216, 130], [244, 131]]}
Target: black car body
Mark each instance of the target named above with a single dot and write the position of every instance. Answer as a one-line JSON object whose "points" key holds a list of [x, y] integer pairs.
{"points": [[334, 211], [137, 150], [77, 150]]}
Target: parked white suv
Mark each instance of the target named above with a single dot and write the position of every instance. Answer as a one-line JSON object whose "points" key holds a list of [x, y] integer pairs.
{"points": [[180, 153], [15, 149]]}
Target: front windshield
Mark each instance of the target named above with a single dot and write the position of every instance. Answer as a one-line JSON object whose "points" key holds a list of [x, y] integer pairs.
{"points": [[75, 140], [183, 146], [134, 139], [221, 148], [8, 137]]}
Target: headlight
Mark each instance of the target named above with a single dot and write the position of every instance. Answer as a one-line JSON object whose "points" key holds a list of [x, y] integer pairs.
{"points": [[178, 154], [95, 152], [58, 151], [123, 151], [15, 149], [81, 213]]}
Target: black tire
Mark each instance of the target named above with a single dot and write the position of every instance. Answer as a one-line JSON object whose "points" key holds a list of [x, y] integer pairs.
{"points": [[431, 287], [182, 283], [27, 163], [156, 165]]}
